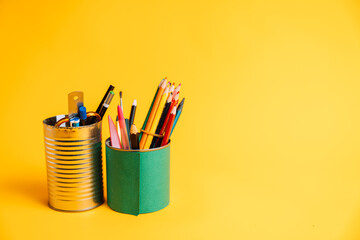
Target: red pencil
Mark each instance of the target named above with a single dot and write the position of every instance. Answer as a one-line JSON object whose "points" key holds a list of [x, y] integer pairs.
{"points": [[169, 127], [177, 89], [174, 102]]}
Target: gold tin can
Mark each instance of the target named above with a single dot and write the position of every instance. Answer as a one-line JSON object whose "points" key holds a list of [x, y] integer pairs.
{"points": [[74, 166]]}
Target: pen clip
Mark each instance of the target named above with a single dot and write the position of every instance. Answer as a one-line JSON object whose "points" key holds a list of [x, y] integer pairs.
{"points": [[75, 100]]}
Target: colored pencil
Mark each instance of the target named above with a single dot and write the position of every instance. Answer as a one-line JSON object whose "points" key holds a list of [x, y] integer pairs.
{"points": [[118, 127], [173, 103], [178, 113], [162, 131], [156, 118], [111, 88], [123, 130], [151, 106], [172, 88], [177, 89], [169, 127], [152, 114], [128, 131], [162, 119], [114, 137], [134, 137]]}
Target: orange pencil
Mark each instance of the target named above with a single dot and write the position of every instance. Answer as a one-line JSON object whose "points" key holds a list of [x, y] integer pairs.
{"points": [[169, 127], [157, 118], [152, 114]]}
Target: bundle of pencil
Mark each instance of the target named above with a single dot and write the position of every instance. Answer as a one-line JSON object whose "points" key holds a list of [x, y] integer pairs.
{"points": [[159, 123]]}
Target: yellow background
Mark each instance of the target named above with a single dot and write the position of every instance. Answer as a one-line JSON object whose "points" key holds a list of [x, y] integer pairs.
{"points": [[267, 146]]}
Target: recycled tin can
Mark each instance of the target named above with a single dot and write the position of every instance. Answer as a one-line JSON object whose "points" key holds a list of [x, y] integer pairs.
{"points": [[74, 166], [138, 181]]}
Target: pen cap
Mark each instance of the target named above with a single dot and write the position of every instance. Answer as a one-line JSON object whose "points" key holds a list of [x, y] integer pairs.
{"points": [[74, 166], [82, 113], [138, 181]]}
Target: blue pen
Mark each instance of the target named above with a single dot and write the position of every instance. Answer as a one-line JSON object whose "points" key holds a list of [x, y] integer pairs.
{"points": [[82, 115], [178, 113]]}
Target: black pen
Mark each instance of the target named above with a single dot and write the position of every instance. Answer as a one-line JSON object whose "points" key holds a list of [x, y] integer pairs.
{"points": [[132, 113], [106, 104], [111, 88]]}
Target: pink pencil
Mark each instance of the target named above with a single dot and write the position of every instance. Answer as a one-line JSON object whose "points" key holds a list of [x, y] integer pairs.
{"points": [[123, 130], [114, 137]]}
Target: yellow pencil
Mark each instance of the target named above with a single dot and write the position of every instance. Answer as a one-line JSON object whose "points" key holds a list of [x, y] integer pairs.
{"points": [[152, 114], [157, 118]]}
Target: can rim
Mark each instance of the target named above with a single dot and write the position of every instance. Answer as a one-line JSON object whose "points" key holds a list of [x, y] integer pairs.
{"points": [[107, 143], [67, 128]]}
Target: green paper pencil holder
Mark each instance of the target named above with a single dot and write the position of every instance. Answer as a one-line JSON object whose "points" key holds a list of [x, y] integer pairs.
{"points": [[138, 181]]}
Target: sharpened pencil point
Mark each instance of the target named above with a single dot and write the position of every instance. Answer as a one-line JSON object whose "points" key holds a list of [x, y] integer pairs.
{"points": [[133, 129]]}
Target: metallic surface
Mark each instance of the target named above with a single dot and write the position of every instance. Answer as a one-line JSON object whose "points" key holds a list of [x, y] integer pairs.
{"points": [[74, 166], [75, 100]]}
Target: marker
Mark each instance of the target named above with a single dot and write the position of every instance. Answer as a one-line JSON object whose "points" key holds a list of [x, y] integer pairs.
{"points": [[106, 104], [82, 115], [111, 88], [75, 122]]}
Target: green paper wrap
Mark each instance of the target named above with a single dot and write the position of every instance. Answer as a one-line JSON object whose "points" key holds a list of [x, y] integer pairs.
{"points": [[138, 181]]}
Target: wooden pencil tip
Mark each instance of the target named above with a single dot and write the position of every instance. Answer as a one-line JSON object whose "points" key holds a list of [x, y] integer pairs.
{"points": [[133, 129], [163, 85]]}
